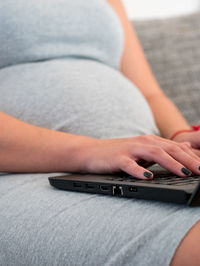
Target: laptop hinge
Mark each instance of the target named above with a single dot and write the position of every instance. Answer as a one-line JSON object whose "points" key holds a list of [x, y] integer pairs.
{"points": [[194, 200]]}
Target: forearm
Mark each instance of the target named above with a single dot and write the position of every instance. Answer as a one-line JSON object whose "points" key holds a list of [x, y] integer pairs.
{"points": [[28, 148], [167, 116]]}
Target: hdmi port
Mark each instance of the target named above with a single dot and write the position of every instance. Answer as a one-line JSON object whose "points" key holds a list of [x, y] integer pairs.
{"points": [[104, 188]]}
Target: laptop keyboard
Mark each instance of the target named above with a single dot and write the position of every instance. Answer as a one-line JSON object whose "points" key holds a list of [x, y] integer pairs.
{"points": [[161, 177]]}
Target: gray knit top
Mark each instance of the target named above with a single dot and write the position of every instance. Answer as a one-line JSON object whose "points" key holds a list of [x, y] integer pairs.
{"points": [[37, 30]]}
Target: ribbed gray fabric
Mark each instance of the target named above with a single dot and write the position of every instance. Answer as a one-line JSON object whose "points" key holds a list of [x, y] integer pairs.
{"points": [[86, 95]]}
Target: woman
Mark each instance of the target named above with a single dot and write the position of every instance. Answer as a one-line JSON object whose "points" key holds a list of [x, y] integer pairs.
{"points": [[77, 95]]}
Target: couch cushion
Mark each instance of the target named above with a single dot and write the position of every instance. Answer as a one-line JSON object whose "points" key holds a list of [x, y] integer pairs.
{"points": [[172, 47]]}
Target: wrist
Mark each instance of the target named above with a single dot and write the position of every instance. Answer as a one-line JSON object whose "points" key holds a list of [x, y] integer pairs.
{"points": [[181, 134], [73, 152]]}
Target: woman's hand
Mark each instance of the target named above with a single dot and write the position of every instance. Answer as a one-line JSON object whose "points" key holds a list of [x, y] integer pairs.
{"points": [[129, 154], [193, 138]]}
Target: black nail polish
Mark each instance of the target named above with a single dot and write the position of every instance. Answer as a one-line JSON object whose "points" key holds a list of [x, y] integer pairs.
{"points": [[147, 174], [186, 171]]}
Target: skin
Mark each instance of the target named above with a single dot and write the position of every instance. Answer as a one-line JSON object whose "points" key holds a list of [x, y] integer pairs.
{"points": [[135, 67], [27, 148]]}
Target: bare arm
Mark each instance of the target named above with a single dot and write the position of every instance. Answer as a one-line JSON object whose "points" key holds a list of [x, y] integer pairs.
{"points": [[28, 148], [135, 67]]}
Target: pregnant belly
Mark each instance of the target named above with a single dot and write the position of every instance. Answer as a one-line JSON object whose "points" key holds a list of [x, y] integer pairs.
{"points": [[77, 96]]}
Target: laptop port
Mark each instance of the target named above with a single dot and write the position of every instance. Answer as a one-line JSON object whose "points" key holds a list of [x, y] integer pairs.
{"points": [[117, 190], [89, 186], [77, 185], [103, 188], [133, 189]]}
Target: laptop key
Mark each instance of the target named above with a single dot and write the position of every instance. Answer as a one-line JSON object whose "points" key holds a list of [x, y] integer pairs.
{"points": [[159, 178]]}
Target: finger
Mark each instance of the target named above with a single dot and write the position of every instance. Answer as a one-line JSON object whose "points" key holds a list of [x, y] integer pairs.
{"points": [[197, 152], [161, 142], [189, 150], [183, 155], [187, 143], [186, 146], [160, 156], [132, 168], [168, 141], [144, 163], [181, 152]]}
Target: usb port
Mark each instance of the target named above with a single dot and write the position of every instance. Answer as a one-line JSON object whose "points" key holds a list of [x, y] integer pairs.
{"points": [[77, 185], [103, 188]]}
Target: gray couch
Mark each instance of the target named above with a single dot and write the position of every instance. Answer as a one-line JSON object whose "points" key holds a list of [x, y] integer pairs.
{"points": [[172, 47]]}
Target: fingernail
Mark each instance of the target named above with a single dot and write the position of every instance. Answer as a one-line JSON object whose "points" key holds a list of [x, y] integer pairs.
{"points": [[186, 171], [147, 174]]}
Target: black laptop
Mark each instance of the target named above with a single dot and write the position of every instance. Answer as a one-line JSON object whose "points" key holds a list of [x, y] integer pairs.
{"points": [[165, 186]]}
